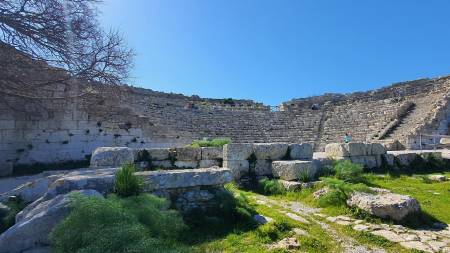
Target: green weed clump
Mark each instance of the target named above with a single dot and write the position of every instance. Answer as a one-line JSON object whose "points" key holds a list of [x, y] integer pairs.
{"points": [[270, 187], [348, 171], [340, 192], [273, 231], [218, 142], [135, 224], [126, 183], [305, 176], [8, 216]]}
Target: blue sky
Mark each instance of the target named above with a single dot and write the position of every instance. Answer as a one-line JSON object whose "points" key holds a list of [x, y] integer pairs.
{"points": [[273, 51]]}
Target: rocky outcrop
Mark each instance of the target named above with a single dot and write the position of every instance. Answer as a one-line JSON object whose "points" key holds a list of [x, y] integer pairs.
{"points": [[34, 224], [388, 205]]}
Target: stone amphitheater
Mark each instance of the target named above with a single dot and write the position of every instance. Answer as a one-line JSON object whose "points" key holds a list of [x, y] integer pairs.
{"points": [[65, 123], [85, 124]]}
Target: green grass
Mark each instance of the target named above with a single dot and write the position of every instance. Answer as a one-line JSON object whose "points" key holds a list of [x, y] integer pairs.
{"points": [[8, 219], [218, 142], [434, 198]]}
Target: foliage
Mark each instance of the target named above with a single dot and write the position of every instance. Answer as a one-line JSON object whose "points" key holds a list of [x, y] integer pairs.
{"points": [[270, 187], [126, 183], [305, 176], [273, 231], [135, 224], [340, 192], [348, 171], [326, 171], [8, 218], [218, 142]]}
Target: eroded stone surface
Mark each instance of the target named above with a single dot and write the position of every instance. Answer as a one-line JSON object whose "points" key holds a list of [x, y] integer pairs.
{"points": [[291, 170], [270, 151], [112, 156], [388, 205], [237, 151], [301, 151]]}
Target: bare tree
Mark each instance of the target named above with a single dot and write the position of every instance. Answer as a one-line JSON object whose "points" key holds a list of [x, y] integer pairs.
{"points": [[61, 37]]}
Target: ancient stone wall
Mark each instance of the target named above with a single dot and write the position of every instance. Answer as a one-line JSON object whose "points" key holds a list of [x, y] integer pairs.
{"points": [[66, 122]]}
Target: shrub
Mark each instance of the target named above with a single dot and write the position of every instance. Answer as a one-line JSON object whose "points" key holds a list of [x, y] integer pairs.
{"points": [[348, 171], [8, 217], [114, 225], [219, 142], [340, 192], [273, 231], [126, 183], [270, 187], [326, 171], [305, 176]]}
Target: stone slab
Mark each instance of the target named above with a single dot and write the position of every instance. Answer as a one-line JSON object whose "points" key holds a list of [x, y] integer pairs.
{"points": [[301, 151], [291, 170], [238, 168], [212, 153], [270, 151], [209, 163], [237, 151], [187, 153], [112, 156]]}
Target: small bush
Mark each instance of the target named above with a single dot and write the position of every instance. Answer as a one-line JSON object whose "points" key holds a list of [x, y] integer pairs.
{"points": [[273, 231], [326, 171], [115, 225], [348, 171], [305, 176], [270, 187], [126, 183], [340, 192], [219, 142], [8, 218]]}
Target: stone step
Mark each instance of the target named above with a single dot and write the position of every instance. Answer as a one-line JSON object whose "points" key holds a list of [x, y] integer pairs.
{"points": [[292, 170]]}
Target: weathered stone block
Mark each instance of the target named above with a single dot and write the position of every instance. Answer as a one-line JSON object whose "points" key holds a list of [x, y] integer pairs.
{"points": [[291, 170], [187, 153], [263, 168], [290, 185], [377, 149], [158, 153], [208, 163], [366, 161], [389, 158], [388, 205], [238, 168], [212, 153], [163, 164], [112, 156], [356, 148], [186, 164], [336, 150], [272, 151], [172, 179], [406, 158], [237, 151], [302, 151]]}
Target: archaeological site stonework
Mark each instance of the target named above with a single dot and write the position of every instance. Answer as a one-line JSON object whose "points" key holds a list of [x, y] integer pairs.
{"points": [[62, 123]]}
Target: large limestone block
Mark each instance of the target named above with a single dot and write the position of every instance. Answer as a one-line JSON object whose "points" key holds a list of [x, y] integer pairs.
{"points": [[237, 151], [291, 170], [356, 148], [31, 191], [388, 158], [212, 153], [376, 149], [388, 205], [301, 151], [238, 168], [270, 151], [262, 168], [336, 150], [406, 158], [163, 164], [111, 156], [99, 180], [170, 179], [34, 224], [186, 164], [208, 163], [158, 153], [187, 153]]}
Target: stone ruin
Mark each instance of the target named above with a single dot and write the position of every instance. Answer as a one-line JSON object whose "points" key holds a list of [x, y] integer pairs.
{"points": [[65, 123]]}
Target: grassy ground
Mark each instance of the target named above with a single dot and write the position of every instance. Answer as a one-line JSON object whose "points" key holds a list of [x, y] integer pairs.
{"points": [[434, 198]]}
